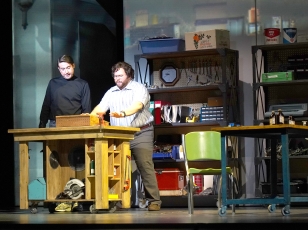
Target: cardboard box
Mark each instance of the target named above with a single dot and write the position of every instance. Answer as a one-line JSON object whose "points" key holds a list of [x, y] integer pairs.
{"points": [[277, 76], [209, 39], [170, 179], [215, 101], [142, 18]]}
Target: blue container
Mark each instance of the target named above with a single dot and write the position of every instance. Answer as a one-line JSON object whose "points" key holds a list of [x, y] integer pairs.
{"points": [[289, 35], [162, 45], [174, 154]]}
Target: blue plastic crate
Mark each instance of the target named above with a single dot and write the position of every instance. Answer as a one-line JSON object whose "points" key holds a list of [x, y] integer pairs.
{"points": [[167, 155], [162, 45]]}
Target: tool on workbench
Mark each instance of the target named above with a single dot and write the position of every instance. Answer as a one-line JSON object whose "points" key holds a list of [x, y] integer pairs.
{"points": [[127, 174], [101, 119]]}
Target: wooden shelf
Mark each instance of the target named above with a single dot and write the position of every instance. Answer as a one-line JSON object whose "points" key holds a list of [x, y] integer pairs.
{"points": [[185, 89], [193, 53]]}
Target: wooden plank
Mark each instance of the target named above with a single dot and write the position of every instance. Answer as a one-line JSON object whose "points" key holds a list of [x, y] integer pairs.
{"points": [[89, 179], [23, 174], [101, 174], [126, 194], [81, 132]]}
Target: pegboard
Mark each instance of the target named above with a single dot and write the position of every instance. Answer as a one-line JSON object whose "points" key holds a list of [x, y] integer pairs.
{"points": [[278, 59], [197, 71]]}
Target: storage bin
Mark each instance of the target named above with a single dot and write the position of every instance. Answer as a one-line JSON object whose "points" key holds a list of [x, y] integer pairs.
{"points": [[277, 76], [170, 178], [162, 45]]}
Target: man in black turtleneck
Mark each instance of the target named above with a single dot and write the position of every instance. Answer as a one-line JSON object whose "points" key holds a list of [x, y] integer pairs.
{"points": [[65, 95]]}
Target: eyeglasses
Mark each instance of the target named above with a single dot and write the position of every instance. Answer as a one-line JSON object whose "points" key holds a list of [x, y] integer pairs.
{"points": [[118, 76], [63, 69]]}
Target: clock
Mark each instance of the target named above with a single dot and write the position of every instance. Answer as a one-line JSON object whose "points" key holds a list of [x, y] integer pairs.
{"points": [[169, 74]]}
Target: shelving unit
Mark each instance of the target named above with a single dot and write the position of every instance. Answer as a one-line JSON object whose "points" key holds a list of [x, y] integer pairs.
{"points": [[217, 72], [274, 58]]}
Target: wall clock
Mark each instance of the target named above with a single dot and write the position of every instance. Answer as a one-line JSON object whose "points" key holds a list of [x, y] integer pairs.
{"points": [[169, 74]]}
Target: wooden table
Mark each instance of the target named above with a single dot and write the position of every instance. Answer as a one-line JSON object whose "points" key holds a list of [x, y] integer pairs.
{"points": [[111, 153], [274, 133]]}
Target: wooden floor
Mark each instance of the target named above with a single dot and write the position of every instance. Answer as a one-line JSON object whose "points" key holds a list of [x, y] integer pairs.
{"points": [[166, 218]]}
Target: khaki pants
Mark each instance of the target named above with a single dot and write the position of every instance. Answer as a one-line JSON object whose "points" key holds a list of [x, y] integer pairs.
{"points": [[142, 151]]}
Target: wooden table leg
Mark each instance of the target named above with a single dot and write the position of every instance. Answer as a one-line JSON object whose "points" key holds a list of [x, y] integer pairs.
{"points": [[23, 174], [126, 203]]}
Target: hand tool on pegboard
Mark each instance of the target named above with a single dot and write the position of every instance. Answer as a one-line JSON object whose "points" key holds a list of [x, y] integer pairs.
{"points": [[127, 175]]}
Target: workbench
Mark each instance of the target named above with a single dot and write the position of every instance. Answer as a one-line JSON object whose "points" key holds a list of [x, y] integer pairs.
{"points": [[108, 146], [273, 133]]}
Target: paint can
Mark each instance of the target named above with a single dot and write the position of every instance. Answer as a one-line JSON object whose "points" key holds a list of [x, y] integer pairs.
{"points": [[289, 35], [198, 179], [272, 35]]}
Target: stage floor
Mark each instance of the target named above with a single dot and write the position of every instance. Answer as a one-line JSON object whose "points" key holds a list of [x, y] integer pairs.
{"points": [[166, 218]]}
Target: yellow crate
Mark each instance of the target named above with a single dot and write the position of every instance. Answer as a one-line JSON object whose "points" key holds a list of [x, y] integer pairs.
{"points": [[78, 120]]}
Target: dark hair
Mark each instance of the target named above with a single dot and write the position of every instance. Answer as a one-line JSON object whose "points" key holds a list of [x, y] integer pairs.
{"points": [[66, 58], [126, 67]]}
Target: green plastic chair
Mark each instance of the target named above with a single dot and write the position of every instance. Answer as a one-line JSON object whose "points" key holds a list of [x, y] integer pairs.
{"points": [[202, 146]]}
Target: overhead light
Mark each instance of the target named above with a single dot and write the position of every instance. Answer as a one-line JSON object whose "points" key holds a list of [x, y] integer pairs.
{"points": [[24, 6]]}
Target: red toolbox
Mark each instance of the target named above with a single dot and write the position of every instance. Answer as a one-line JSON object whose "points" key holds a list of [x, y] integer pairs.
{"points": [[170, 178]]}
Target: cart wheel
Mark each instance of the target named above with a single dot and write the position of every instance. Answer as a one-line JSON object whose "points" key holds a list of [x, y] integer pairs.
{"points": [[52, 207], [143, 203], [222, 211], [285, 211], [33, 210], [92, 209], [271, 208], [112, 207]]}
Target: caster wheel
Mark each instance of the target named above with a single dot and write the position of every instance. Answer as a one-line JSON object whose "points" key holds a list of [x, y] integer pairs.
{"points": [[33, 210], [285, 211], [222, 212], [92, 209], [112, 207], [52, 207], [143, 203], [271, 208]]}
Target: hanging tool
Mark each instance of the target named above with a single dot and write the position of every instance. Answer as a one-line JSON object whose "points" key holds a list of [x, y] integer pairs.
{"points": [[127, 174], [101, 119], [189, 79], [216, 78]]}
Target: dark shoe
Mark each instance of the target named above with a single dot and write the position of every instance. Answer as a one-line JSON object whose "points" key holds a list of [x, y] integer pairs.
{"points": [[154, 207]]}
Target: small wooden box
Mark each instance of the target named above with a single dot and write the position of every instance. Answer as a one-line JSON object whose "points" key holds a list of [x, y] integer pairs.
{"points": [[215, 101], [77, 120]]}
